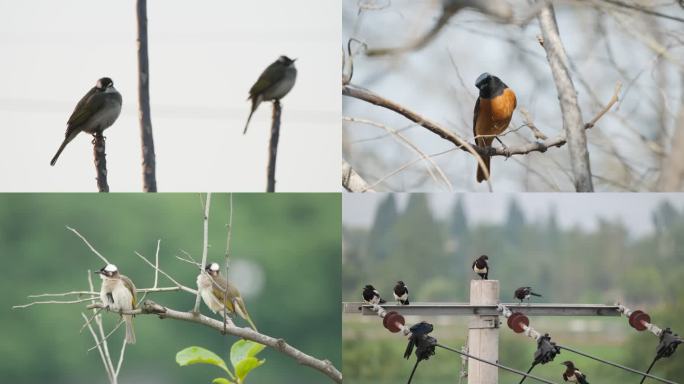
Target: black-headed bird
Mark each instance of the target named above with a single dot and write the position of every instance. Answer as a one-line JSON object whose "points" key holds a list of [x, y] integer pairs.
{"points": [[401, 293], [372, 296], [94, 113], [572, 374], [524, 293], [481, 267], [274, 83]]}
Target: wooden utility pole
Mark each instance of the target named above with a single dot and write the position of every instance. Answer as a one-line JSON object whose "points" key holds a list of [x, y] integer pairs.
{"points": [[483, 333], [483, 330]]}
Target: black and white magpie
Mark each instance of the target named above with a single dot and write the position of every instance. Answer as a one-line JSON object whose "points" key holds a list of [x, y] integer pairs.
{"points": [[372, 296], [481, 267], [524, 293], [401, 293], [573, 375]]}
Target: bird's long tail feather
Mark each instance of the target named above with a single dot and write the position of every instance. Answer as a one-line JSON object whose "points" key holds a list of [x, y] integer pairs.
{"points": [[242, 311], [255, 103], [535, 294], [130, 333]]}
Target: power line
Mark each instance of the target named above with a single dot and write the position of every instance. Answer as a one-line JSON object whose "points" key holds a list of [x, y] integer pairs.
{"points": [[496, 364], [615, 364]]}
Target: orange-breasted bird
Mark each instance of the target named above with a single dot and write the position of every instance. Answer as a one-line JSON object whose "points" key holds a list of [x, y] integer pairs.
{"points": [[493, 111]]}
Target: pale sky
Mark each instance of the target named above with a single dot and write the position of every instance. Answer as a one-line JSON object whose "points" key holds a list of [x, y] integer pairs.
{"points": [[204, 57], [583, 210]]}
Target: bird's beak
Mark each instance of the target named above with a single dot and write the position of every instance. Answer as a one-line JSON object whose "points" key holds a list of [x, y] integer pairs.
{"points": [[295, 59], [97, 272]]}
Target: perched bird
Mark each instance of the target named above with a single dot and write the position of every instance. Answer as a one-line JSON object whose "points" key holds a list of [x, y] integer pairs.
{"points": [[273, 84], [423, 342], [481, 267], [401, 293], [217, 293], [493, 111], [372, 296], [573, 375], [96, 111], [118, 293], [524, 293]]}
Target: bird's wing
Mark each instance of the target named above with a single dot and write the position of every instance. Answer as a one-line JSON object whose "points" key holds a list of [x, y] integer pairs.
{"points": [[565, 377], [91, 102], [273, 71], [409, 348], [581, 379], [222, 291], [473, 266], [128, 283]]}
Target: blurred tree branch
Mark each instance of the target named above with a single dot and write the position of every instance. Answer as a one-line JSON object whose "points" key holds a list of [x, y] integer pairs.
{"points": [[572, 116], [352, 181]]}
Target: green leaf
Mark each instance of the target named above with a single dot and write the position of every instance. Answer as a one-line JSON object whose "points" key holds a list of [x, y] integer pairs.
{"points": [[221, 380], [245, 366], [243, 349], [199, 355]]}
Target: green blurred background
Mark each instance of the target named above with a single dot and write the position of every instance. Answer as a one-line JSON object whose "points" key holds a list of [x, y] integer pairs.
{"points": [[285, 250], [571, 248]]}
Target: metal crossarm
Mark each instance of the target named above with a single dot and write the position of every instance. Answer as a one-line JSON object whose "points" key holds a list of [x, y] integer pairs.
{"points": [[465, 309]]}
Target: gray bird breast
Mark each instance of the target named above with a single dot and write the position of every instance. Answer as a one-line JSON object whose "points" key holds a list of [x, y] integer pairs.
{"points": [[106, 115], [282, 87]]}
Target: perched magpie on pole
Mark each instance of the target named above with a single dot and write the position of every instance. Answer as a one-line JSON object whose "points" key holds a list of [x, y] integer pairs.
{"points": [[573, 375], [524, 293], [481, 267], [424, 344], [401, 293], [372, 296]]}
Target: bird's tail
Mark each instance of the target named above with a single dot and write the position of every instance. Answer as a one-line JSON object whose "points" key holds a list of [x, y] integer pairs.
{"points": [[409, 349], [255, 103], [382, 301], [242, 311], [404, 302], [130, 333], [535, 294], [481, 175], [59, 151]]}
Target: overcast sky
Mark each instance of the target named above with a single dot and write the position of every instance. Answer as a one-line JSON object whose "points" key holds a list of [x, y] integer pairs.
{"points": [[583, 210], [204, 57]]}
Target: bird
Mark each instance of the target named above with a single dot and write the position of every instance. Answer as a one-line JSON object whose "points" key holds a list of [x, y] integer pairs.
{"points": [[217, 291], [94, 113], [372, 296], [524, 293], [481, 267], [493, 111], [423, 342], [401, 293], [274, 83], [118, 293], [573, 375]]}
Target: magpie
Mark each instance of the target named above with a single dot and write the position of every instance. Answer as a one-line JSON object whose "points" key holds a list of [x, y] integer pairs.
{"points": [[524, 293], [423, 343], [481, 267], [401, 293], [372, 296], [573, 375]]}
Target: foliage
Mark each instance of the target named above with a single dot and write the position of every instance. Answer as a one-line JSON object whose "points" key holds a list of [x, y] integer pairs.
{"points": [[242, 357]]}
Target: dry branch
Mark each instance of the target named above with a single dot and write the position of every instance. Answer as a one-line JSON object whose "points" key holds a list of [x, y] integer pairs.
{"points": [[148, 156], [100, 161], [572, 116], [149, 307], [352, 181], [273, 147]]}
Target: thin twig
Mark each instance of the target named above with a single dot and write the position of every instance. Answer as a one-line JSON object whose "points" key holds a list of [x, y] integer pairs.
{"points": [[179, 285], [205, 245], [273, 146], [51, 302], [227, 256], [88, 244], [156, 263]]}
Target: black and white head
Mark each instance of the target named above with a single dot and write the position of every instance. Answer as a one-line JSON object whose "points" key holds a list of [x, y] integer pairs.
{"points": [[286, 61], [104, 84], [400, 283], [569, 364], [109, 270], [212, 269], [489, 85]]}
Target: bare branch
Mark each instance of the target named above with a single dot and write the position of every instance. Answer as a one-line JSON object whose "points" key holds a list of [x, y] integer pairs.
{"points": [[179, 285], [352, 181], [50, 302], [100, 161], [572, 116], [156, 263], [205, 245], [88, 244], [149, 307], [149, 162]]}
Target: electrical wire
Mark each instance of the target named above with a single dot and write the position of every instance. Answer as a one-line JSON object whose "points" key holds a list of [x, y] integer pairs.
{"points": [[616, 365], [649, 368], [496, 364]]}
